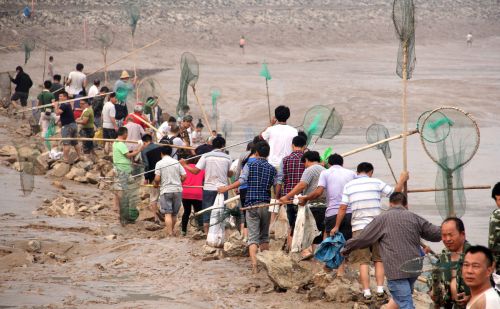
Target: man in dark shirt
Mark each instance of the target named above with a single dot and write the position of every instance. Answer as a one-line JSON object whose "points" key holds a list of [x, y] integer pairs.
{"points": [[56, 87], [69, 129], [23, 84], [97, 106], [398, 232]]}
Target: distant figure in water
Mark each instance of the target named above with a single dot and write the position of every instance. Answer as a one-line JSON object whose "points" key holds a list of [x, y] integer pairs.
{"points": [[242, 44], [469, 39]]}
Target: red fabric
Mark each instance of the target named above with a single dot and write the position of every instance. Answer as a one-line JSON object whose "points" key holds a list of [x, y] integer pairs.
{"points": [[134, 119], [193, 180], [77, 113]]}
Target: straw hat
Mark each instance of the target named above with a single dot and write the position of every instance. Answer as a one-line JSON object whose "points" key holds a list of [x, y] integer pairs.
{"points": [[124, 75]]}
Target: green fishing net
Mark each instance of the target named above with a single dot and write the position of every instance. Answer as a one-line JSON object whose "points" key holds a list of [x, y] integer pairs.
{"points": [[323, 122], [148, 87], [227, 128], [127, 187], [264, 72], [377, 132], [189, 77], [451, 139], [105, 36], [403, 17], [215, 94], [51, 131], [134, 13], [28, 46]]}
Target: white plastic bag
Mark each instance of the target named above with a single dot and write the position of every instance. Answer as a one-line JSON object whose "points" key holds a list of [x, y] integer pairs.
{"points": [[215, 237], [305, 230]]}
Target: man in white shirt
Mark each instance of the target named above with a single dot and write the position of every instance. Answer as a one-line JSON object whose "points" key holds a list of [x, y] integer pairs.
{"points": [[135, 133], [169, 175], [166, 127], [363, 196], [94, 89], [333, 181], [77, 81], [109, 125], [477, 269], [217, 166], [173, 136], [279, 136]]}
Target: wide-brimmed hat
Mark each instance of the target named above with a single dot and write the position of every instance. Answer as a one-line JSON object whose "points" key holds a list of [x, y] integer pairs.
{"points": [[124, 75]]}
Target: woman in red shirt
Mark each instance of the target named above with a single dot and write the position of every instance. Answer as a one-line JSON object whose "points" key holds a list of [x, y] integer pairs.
{"points": [[192, 195]]}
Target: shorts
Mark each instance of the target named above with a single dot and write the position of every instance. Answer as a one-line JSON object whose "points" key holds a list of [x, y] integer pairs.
{"points": [[365, 255], [401, 291], [291, 214], [70, 130], [154, 195], [170, 203], [21, 96], [319, 216], [258, 225], [108, 133], [345, 226]]}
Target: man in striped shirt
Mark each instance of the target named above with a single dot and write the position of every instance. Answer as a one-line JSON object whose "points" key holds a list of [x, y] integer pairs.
{"points": [[363, 195]]}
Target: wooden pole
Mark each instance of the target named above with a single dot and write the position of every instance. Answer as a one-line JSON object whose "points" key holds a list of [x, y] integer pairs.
{"points": [[57, 139], [85, 32], [452, 189], [390, 167], [392, 138], [268, 103], [10, 46], [146, 123], [65, 101], [125, 56], [44, 63], [105, 54], [405, 112], [202, 109]]}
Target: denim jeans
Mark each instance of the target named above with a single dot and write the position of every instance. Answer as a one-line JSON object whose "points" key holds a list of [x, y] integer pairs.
{"points": [[401, 291]]}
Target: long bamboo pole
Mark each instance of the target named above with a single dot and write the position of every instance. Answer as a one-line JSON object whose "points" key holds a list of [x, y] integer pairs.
{"points": [[405, 112], [60, 102], [90, 139], [485, 187], [202, 109], [125, 56], [44, 63], [268, 102], [392, 138]]}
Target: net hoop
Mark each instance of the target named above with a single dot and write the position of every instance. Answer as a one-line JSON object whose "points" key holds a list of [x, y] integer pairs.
{"points": [[423, 139]]}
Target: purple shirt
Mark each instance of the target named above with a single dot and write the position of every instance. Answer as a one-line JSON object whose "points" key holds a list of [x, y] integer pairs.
{"points": [[334, 180]]}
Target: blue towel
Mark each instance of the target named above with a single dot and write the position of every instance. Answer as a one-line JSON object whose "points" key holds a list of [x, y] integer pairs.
{"points": [[329, 251]]}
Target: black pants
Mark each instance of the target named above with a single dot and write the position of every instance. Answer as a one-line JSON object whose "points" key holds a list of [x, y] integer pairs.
{"points": [[188, 204], [88, 146]]}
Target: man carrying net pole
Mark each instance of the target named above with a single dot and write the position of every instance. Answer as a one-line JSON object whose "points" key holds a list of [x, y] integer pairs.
{"points": [[260, 177], [404, 24], [126, 195]]}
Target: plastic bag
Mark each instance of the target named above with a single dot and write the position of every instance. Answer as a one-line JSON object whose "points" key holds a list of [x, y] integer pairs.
{"points": [[305, 230], [215, 237], [329, 251]]}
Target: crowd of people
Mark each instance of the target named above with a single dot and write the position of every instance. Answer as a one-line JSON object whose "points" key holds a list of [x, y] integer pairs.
{"points": [[184, 169]]}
